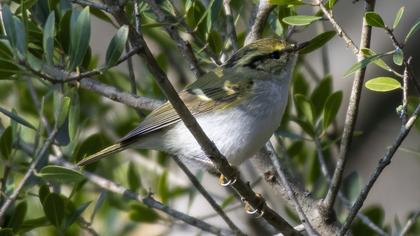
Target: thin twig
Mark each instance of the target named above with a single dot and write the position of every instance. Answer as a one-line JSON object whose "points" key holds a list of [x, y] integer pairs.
{"points": [[208, 147], [147, 200], [207, 196], [404, 96], [10, 199], [383, 162], [280, 172], [230, 25], [263, 11], [351, 114], [344, 200], [183, 46], [409, 223], [131, 74]]}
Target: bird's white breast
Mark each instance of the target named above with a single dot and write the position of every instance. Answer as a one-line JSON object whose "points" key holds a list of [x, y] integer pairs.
{"points": [[238, 132]]}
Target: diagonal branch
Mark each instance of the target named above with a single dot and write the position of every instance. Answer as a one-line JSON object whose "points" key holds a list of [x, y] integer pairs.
{"points": [[230, 25], [383, 162], [352, 112], [264, 9]]}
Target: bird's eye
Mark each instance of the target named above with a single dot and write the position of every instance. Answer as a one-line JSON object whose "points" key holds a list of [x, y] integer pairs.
{"points": [[275, 55]]}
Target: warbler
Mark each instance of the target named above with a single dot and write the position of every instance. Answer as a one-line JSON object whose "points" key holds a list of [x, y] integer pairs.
{"points": [[238, 105]]}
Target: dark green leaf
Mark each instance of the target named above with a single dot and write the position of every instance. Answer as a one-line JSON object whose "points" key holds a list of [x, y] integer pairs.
{"points": [[8, 69], [5, 50], [285, 2], [6, 232], [75, 215], [31, 224], [54, 209], [163, 187], [48, 38], [215, 7], [141, 213], [18, 216], [9, 25], [413, 30], [332, 105], [17, 118], [60, 174], [376, 215], [320, 94], [400, 13], [43, 192], [6, 141], [398, 57], [382, 84], [306, 127], [74, 116], [116, 46], [300, 20], [305, 106], [330, 4], [79, 38], [367, 52], [362, 64], [318, 42], [352, 186], [374, 19], [133, 177]]}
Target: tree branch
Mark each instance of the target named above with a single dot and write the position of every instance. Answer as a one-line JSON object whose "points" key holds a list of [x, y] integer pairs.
{"points": [[230, 25], [352, 111], [264, 9], [383, 162]]}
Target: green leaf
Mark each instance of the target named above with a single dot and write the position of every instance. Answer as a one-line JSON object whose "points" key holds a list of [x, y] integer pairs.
{"points": [[413, 29], [382, 84], [374, 19], [17, 118], [31, 224], [79, 38], [215, 7], [332, 105], [367, 52], [134, 181], [320, 94], [305, 106], [9, 25], [400, 13], [141, 213], [352, 186], [285, 2], [330, 4], [60, 174], [398, 57], [18, 216], [43, 192], [306, 127], [54, 209], [6, 232], [300, 20], [5, 50], [318, 42], [8, 69], [74, 215], [163, 187], [48, 38], [6, 141], [116, 46], [363, 63]]}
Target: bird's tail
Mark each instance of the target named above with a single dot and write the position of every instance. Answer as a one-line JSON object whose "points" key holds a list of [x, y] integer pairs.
{"points": [[103, 153]]}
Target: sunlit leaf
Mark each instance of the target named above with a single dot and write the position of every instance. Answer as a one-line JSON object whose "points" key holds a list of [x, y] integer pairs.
{"points": [[413, 30], [374, 19], [398, 17], [398, 57], [363, 63], [382, 84], [367, 52], [300, 20]]}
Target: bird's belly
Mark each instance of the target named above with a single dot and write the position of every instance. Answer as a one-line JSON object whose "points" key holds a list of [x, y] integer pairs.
{"points": [[238, 133]]}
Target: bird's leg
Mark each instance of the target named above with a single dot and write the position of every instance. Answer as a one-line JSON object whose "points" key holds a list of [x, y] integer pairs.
{"points": [[228, 181], [258, 211]]}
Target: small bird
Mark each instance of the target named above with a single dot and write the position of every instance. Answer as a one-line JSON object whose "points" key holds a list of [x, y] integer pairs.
{"points": [[238, 105]]}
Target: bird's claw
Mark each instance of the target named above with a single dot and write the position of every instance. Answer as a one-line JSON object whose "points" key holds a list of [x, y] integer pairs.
{"points": [[257, 211], [226, 182]]}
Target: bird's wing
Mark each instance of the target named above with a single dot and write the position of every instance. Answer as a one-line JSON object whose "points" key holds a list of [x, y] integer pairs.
{"points": [[212, 91]]}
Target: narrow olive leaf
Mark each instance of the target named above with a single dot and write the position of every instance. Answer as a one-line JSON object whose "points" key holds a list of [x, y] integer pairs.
{"points": [[305, 106], [116, 46], [6, 141], [134, 181], [318, 42], [413, 29], [374, 19], [398, 57], [18, 216], [330, 4], [54, 208], [215, 9], [163, 187], [20, 37], [300, 20], [43, 192], [285, 2], [320, 94], [5, 50], [48, 38], [398, 17], [332, 105], [79, 38], [382, 84], [17, 118], [367, 52], [64, 111], [9, 25], [141, 213], [363, 63], [60, 174]]}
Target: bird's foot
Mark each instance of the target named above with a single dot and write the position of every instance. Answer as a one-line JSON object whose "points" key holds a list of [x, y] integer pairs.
{"points": [[228, 181], [257, 211]]}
